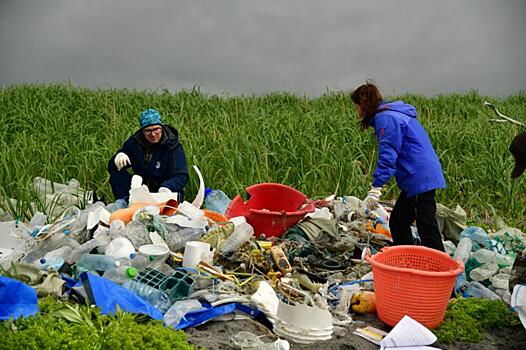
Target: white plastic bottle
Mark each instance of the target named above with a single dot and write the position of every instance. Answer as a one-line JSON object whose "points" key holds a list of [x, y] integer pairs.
{"points": [[241, 234]]}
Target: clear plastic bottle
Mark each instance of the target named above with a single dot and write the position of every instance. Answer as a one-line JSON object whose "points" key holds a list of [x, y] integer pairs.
{"points": [[85, 248], [62, 252], [98, 262], [477, 290], [139, 261], [120, 274], [154, 296], [176, 240], [463, 249], [483, 256], [53, 242], [484, 272], [241, 234], [52, 263], [216, 200]]}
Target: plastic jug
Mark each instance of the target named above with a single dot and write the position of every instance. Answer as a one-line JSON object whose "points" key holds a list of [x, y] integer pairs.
{"points": [[241, 234]]}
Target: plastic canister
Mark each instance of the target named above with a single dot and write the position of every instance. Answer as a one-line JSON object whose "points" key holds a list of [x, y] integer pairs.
{"points": [[195, 252]]}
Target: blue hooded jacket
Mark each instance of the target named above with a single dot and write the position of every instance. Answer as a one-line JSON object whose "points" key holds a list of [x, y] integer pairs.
{"points": [[404, 150], [167, 167]]}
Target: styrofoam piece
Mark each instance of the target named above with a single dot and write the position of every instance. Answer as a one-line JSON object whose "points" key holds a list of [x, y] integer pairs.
{"points": [[195, 252], [190, 211], [120, 247], [299, 338], [200, 197], [183, 221], [265, 299]]}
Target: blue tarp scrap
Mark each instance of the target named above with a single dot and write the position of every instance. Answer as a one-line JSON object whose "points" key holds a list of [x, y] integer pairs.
{"points": [[16, 299], [107, 295]]}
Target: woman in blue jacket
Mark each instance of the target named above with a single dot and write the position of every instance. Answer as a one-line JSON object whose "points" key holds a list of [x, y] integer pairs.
{"points": [[405, 152], [154, 153]]}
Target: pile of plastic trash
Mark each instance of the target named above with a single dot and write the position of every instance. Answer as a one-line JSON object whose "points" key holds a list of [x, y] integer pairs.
{"points": [[296, 269]]}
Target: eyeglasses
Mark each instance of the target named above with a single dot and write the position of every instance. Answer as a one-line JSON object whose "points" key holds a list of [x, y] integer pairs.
{"points": [[153, 130]]}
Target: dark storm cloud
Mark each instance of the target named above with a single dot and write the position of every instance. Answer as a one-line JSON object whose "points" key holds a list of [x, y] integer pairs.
{"points": [[245, 47]]}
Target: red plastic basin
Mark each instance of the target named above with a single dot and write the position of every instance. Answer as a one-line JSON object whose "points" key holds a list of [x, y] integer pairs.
{"points": [[271, 209]]}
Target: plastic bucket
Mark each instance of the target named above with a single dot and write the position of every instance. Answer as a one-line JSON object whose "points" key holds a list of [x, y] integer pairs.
{"points": [[415, 281]]}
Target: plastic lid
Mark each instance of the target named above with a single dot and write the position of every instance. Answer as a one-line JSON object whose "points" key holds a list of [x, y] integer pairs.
{"points": [[131, 272], [133, 255], [67, 231], [42, 260]]}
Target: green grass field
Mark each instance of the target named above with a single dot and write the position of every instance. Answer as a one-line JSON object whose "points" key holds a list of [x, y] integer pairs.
{"points": [[313, 144]]}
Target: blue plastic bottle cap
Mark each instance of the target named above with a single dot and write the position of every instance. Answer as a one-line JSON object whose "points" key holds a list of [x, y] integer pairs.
{"points": [[42, 261], [67, 231], [133, 255]]}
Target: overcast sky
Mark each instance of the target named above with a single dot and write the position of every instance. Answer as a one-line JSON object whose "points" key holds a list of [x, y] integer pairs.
{"points": [[253, 47]]}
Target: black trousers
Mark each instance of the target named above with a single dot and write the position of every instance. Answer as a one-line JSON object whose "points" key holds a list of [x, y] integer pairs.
{"points": [[421, 207]]}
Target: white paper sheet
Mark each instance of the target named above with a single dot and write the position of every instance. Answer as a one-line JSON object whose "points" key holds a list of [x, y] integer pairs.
{"points": [[408, 334]]}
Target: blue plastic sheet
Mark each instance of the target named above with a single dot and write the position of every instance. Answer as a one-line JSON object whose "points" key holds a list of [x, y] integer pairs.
{"points": [[16, 299], [107, 295], [197, 317]]}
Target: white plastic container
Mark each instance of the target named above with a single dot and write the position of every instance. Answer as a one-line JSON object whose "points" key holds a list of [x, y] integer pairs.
{"points": [[120, 247], [241, 234]]}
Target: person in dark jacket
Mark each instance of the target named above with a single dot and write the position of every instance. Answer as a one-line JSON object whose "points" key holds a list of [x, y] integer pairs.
{"points": [[518, 150], [405, 152], [154, 153]]}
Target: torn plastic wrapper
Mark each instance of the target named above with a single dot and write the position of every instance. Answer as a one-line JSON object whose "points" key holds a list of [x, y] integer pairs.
{"points": [[198, 317]]}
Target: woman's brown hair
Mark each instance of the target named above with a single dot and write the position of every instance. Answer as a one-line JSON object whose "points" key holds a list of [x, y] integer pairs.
{"points": [[368, 97]]}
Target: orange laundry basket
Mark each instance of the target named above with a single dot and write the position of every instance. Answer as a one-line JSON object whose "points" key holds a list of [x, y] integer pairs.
{"points": [[415, 281]]}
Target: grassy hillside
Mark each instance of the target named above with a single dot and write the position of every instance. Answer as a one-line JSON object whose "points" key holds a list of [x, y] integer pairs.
{"points": [[313, 144]]}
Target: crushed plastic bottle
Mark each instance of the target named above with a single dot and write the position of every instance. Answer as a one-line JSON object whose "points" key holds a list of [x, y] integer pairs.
{"points": [[177, 239], [98, 262], [139, 261], [154, 296], [176, 312], [216, 200], [477, 290], [463, 249], [120, 274], [484, 272], [483, 256], [84, 248]]}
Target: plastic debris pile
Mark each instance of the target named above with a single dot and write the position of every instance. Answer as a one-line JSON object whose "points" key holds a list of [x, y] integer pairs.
{"points": [[187, 265]]}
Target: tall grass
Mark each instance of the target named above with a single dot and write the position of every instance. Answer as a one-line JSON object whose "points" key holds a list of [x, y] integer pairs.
{"points": [[313, 144]]}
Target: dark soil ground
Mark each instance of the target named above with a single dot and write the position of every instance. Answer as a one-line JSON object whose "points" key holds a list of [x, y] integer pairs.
{"points": [[216, 335]]}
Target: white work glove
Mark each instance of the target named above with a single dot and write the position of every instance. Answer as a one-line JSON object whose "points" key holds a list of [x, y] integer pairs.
{"points": [[164, 190], [373, 197], [121, 160]]}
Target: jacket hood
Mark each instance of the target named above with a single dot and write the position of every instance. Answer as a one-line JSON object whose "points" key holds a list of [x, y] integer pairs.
{"points": [[398, 106], [170, 137]]}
